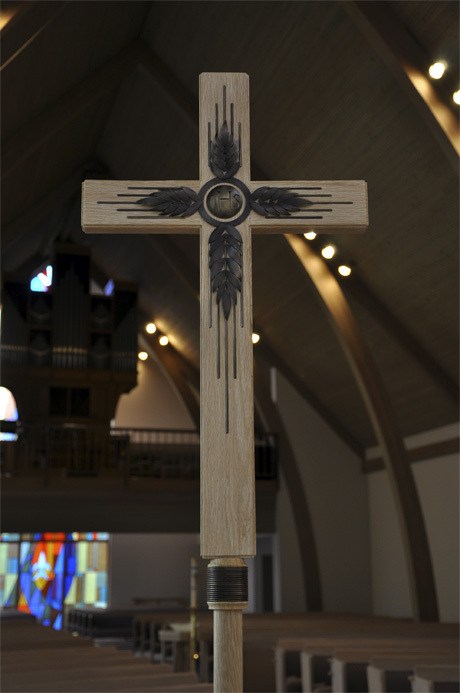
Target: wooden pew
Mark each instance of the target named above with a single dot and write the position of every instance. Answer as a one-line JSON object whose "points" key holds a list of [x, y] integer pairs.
{"points": [[349, 666], [145, 628], [315, 649], [40, 659], [120, 682], [436, 680], [393, 675]]}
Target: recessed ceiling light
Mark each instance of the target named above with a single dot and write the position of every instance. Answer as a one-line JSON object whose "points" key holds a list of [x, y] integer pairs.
{"points": [[328, 252], [456, 97], [437, 69], [163, 340], [310, 235], [255, 337], [151, 328], [142, 356], [344, 270]]}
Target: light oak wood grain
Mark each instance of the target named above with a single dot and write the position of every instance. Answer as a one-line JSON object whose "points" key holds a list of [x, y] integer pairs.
{"points": [[104, 218], [228, 641], [227, 459]]}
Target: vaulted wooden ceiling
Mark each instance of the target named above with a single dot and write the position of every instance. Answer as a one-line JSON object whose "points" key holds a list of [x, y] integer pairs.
{"points": [[110, 89]]}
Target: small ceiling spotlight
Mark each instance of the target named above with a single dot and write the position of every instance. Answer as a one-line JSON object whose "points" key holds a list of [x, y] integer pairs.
{"points": [[328, 252], [344, 270], [151, 328], [310, 235], [456, 97], [437, 69], [163, 340], [142, 356], [255, 337]]}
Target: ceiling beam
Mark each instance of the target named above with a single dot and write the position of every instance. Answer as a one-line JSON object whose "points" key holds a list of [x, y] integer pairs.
{"points": [[419, 454], [54, 117], [379, 409], [408, 62], [28, 20], [356, 288], [296, 492]]}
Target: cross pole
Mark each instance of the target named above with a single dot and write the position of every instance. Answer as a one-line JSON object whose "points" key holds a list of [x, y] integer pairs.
{"points": [[224, 206]]}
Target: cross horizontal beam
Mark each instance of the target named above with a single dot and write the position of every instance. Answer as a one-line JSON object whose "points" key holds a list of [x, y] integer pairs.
{"points": [[327, 206]]}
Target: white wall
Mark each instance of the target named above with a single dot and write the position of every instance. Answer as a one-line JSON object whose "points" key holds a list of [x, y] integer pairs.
{"points": [[152, 565], [437, 481], [337, 497], [154, 403]]}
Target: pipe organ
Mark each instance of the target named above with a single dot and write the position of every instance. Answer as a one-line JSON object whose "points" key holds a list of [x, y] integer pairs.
{"points": [[68, 354]]}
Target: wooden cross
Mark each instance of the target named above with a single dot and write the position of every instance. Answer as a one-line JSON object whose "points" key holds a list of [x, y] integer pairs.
{"points": [[224, 206]]}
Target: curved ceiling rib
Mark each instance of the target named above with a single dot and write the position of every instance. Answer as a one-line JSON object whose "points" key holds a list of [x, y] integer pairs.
{"points": [[412, 523], [405, 58]]}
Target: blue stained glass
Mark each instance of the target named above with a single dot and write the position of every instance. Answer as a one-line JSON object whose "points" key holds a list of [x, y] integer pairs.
{"points": [[109, 287], [9, 536], [12, 564], [25, 547], [36, 285], [59, 565], [58, 622], [38, 536]]}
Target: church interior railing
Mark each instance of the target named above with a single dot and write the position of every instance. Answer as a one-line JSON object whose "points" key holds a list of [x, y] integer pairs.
{"points": [[82, 450]]}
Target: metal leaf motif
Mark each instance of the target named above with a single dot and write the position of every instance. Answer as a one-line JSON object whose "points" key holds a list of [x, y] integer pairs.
{"points": [[225, 262], [172, 202], [278, 202], [224, 154]]}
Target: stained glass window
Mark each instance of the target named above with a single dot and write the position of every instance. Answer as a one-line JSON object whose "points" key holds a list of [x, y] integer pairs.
{"points": [[43, 280], [42, 572]]}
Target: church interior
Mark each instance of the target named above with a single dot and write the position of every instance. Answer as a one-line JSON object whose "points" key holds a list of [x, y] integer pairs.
{"points": [[355, 582]]}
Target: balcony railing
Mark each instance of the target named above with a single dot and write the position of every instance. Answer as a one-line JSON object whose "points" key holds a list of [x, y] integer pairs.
{"points": [[84, 451]]}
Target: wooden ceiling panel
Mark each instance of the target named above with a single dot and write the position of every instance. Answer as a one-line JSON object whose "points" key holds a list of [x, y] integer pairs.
{"points": [[80, 38], [146, 135], [435, 25], [59, 155], [418, 403], [289, 314]]}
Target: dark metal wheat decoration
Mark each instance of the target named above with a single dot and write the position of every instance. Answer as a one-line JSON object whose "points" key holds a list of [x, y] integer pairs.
{"points": [[225, 243], [224, 155], [277, 202], [172, 202], [226, 274], [224, 152]]}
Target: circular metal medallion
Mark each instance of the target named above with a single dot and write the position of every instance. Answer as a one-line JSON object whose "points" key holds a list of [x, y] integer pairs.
{"points": [[227, 202], [224, 201]]}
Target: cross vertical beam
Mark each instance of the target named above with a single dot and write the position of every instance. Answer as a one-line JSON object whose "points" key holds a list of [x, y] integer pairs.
{"points": [[227, 524]]}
